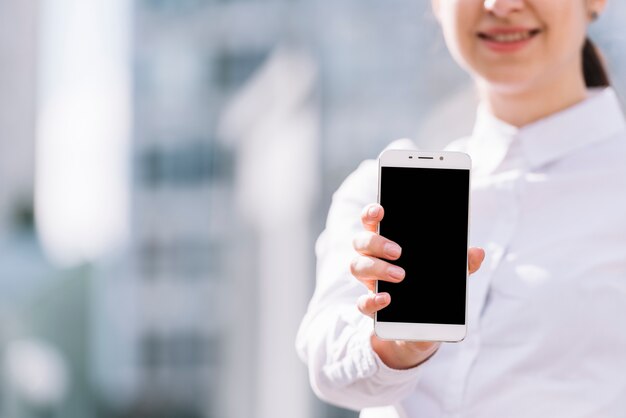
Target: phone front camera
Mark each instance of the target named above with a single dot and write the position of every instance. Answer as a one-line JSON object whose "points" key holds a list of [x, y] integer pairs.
{"points": [[441, 158]]}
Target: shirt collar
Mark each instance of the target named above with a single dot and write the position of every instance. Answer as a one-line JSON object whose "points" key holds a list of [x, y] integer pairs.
{"points": [[595, 119]]}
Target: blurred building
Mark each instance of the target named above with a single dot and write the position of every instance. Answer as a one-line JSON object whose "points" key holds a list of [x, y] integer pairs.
{"points": [[18, 20], [34, 369], [186, 339]]}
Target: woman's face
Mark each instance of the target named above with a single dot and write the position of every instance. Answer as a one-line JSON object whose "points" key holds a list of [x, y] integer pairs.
{"points": [[513, 45]]}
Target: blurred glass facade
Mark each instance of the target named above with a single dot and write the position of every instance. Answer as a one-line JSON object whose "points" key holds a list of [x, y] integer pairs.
{"points": [[221, 129]]}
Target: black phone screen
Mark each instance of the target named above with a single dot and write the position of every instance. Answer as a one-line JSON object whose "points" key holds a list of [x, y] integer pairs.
{"points": [[426, 213]]}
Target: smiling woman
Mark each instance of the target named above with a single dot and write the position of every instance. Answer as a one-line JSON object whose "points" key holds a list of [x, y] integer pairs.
{"points": [[544, 308], [528, 51]]}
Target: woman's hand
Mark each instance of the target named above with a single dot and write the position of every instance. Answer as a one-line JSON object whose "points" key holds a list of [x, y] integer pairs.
{"points": [[369, 266]]}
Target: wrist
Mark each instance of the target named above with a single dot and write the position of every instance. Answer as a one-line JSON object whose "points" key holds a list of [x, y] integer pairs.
{"points": [[402, 355]]}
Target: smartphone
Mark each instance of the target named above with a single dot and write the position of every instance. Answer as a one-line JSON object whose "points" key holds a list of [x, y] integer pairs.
{"points": [[426, 197]]}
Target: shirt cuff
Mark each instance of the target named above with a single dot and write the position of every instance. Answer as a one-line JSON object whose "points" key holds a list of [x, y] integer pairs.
{"points": [[360, 362], [387, 374], [380, 371]]}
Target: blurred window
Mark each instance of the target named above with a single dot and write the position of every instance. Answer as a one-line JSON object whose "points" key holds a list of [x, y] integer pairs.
{"points": [[188, 162], [184, 349], [174, 6], [184, 259], [233, 68]]}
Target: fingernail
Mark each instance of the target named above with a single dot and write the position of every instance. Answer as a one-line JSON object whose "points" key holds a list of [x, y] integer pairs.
{"points": [[373, 211], [392, 250], [381, 298], [396, 272]]}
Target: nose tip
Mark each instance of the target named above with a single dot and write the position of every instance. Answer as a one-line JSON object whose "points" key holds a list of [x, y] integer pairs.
{"points": [[503, 8]]}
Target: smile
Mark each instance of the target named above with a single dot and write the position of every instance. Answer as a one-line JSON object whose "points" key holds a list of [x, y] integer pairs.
{"points": [[507, 37]]}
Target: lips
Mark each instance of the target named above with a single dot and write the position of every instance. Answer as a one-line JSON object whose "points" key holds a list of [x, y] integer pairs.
{"points": [[508, 36]]}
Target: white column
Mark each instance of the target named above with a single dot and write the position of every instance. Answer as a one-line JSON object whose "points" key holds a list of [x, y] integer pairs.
{"points": [[82, 179], [275, 120], [83, 128]]}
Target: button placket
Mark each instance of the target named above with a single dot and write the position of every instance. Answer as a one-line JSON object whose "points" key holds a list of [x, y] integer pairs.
{"points": [[505, 223]]}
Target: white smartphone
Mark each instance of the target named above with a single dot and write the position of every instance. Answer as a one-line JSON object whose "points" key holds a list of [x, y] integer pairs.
{"points": [[425, 196]]}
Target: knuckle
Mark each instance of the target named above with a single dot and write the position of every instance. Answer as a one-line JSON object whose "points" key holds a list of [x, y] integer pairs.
{"points": [[364, 304], [355, 243], [364, 267], [369, 241], [359, 265], [364, 211], [359, 242], [354, 266]]}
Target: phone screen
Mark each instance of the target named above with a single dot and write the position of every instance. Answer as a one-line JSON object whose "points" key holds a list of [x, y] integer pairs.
{"points": [[426, 213]]}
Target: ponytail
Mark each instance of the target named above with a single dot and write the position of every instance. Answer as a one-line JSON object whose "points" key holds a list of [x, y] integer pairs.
{"points": [[594, 69]]}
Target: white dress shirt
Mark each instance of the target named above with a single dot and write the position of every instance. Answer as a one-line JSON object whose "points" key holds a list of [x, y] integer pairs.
{"points": [[547, 310]]}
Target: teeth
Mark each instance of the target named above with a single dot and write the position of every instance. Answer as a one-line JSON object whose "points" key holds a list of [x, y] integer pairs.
{"points": [[509, 37]]}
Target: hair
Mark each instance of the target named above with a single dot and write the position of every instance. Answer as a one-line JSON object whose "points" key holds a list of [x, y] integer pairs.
{"points": [[594, 68]]}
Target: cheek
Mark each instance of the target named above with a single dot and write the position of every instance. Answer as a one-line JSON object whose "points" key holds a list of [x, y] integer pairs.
{"points": [[566, 22], [566, 34], [457, 29]]}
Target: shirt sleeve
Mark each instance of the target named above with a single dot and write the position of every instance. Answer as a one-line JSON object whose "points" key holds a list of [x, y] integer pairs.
{"points": [[334, 337]]}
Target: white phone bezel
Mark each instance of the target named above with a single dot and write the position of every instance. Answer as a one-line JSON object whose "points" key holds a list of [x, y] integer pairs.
{"points": [[420, 331]]}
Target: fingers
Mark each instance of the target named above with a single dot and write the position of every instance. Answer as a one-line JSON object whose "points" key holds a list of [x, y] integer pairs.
{"points": [[476, 256], [371, 216], [371, 303], [369, 269], [372, 244]]}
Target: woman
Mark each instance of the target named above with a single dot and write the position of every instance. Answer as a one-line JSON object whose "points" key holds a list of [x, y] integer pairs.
{"points": [[545, 332]]}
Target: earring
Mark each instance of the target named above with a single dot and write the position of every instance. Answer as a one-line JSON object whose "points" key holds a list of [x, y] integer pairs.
{"points": [[594, 15]]}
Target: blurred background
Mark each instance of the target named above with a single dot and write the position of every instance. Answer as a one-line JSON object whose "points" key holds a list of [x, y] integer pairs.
{"points": [[165, 168]]}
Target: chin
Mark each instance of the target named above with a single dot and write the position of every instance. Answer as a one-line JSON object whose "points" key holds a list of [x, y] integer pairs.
{"points": [[508, 83]]}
